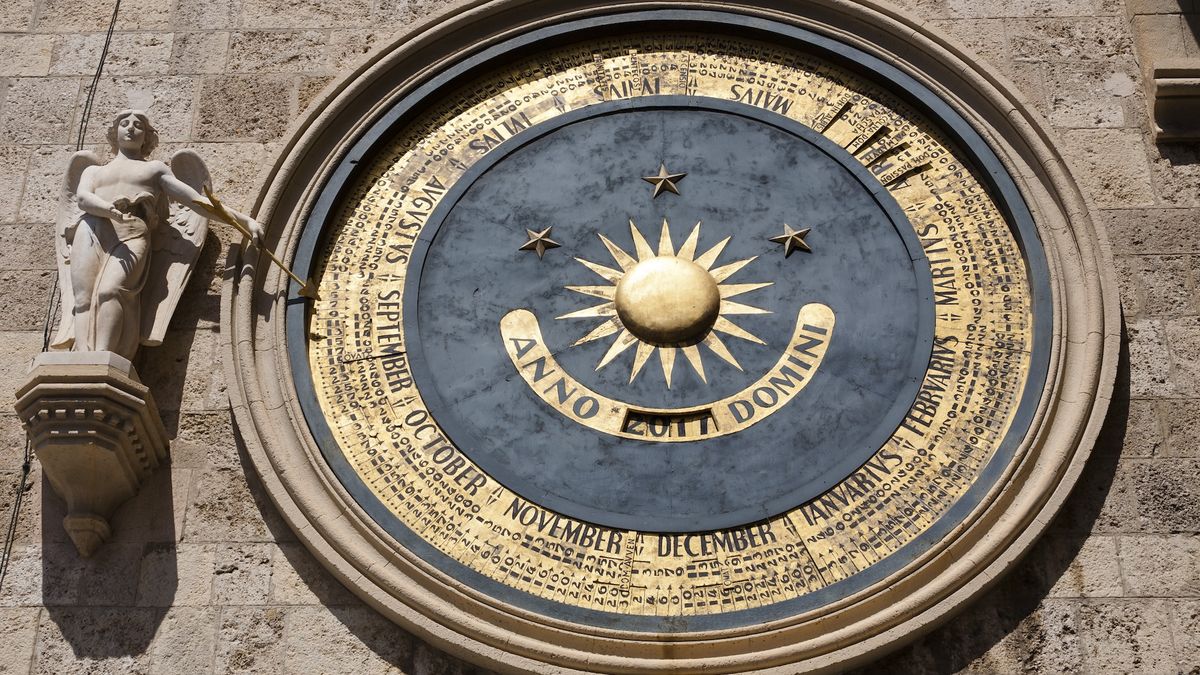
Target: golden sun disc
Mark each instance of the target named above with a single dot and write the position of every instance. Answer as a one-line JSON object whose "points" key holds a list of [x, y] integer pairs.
{"points": [[668, 300]]}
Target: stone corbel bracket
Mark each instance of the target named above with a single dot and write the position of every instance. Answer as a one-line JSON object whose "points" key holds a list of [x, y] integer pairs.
{"points": [[97, 433], [1166, 36], [1177, 100]]}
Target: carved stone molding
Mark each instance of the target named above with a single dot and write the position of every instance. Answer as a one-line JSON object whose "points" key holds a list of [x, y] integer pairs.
{"points": [[1166, 34], [97, 432]]}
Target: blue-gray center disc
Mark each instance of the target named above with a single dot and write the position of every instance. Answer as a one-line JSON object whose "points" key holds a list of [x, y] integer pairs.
{"points": [[749, 172]]}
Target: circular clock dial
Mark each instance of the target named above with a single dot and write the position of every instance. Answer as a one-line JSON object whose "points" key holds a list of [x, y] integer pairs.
{"points": [[672, 331]]}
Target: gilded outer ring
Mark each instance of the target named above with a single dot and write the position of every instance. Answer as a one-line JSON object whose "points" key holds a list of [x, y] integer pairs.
{"points": [[857, 628]]}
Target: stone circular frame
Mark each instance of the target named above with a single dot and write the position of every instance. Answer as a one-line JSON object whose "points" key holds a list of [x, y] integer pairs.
{"points": [[858, 627]]}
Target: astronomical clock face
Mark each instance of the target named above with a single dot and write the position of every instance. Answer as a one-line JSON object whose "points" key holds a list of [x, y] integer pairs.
{"points": [[669, 322]]}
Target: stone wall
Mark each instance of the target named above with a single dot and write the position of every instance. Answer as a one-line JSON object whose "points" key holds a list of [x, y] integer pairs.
{"points": [[203, 575]]}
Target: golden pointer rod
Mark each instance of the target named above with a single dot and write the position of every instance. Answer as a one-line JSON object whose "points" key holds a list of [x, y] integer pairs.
{"points": [[307, 288]]}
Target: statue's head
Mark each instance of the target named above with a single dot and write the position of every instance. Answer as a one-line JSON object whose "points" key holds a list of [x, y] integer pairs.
{"points": [[131, 130]]}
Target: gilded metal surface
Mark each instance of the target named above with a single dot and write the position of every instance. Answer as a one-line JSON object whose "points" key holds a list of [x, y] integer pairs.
{"points": [[664, 181], [979, 365], [539, 242], [792, 240], [666, 300]]}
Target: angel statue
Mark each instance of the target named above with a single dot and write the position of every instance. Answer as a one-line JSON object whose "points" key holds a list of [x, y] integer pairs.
{"points": [[125, 252]]}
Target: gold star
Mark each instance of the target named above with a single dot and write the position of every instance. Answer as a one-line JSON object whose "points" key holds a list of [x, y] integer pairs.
{"points": [[664, 181], [539, 242], [792, 240]]}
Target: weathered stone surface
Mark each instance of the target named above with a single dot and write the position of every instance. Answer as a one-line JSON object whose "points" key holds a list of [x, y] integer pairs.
{"points": [[14, 161], [185, 641], [310, 87], [189, 565], [1157, 285], [1154, 230], [221, 509], [1168, 495], [1149, 359], [1182, 419], [346, 640], [250, 640], [39, 110], [1126, 636], [27, 246], [167, 99], [1093, 571], [204, 440], [277, 52], [298, 579], [1144, 435], [16, 15], [25, 299], [986, 37], [1030, 80], [176, 385], [1161, 566], [199, 52], [99, 639], [238, 181], [348, 47], [1022, 8], [28, 526], [156, 514], [242, 574], [128, 54], [21, 346], [1185, 625], [305, 13], [69, 16], [244, 107], [17, 629], [1089, 95], [1111, 166], [1183, 336], [43, 188], [1177, 173], [25, 55], [1068, 39]]}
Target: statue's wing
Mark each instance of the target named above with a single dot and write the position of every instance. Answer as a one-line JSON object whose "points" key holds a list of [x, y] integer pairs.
{"points": [[69, 216], [177, 246]]}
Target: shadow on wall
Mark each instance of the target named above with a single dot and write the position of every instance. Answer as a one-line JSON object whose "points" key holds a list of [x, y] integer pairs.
{"points": [[110, 606], [1012, 612], [340, 611]]}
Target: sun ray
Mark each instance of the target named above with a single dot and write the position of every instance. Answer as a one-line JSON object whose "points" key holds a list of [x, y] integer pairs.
{"points": [[731, 307], [718, 347], [688, 250], [644, 252], [644, 350], [606, 292], [665, 248], [623, 259], [602, 331], [706, 260], [623, 342], [667, 356], [604, 309], [732, 290], [724, 272], [692, 353], [607, 273], [730, 328]]}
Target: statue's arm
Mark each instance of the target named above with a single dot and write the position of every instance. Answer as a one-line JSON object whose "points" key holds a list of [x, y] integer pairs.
{"points": [[89, 203], [184, 194]]}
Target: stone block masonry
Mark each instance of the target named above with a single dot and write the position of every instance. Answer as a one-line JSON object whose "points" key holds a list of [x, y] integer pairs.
{"points": [[202, 575]]}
